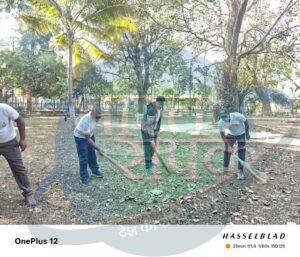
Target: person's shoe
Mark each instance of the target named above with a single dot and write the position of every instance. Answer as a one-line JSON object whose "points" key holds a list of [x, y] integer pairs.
{"points": [[85, 182], [154, 164], [149, 171], [97, 175], [225, 169], [241, 175], [30, 200]]}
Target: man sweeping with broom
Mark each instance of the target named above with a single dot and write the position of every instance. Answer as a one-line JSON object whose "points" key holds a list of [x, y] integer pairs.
{"points": [[234, 127], [86, 146], [150, 127]]}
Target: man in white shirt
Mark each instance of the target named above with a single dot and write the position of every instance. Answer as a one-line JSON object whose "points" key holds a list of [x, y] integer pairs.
{"points": [[10, 148], [234, 127], [85, 144]]}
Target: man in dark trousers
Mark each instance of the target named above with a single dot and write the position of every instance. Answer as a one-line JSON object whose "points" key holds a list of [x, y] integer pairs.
{"points": [[234, 127], [150, 127], [10, 149]]}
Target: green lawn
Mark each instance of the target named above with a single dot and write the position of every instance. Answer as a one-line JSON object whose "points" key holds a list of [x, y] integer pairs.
{"points": [[130, 196]]}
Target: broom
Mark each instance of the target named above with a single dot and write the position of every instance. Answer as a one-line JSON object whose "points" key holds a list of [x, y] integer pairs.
{"points": [[260, 177], [119, 166], [161, 160]]}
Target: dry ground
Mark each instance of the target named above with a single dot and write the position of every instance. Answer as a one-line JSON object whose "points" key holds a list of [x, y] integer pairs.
{"points": [[231, 201]]}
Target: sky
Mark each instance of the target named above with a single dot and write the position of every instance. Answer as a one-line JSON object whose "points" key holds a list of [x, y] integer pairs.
{"points": [[8, 24], [8, 28]]}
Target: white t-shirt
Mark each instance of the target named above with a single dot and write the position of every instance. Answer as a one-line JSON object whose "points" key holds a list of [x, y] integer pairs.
{"points": [[86, 125], [7, 116], [235, 126]]}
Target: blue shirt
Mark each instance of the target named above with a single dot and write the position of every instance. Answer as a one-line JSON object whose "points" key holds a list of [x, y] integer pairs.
{"points": [[235, 126]]}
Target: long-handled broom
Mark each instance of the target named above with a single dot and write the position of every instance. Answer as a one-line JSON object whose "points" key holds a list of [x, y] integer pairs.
{"points": [[122, 168], [161, 160], [259, 176]]}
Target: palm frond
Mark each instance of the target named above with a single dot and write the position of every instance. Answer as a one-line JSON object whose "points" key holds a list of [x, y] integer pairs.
{"points": [[95, 32], [46, 7], [111, 31], [78, 53], [107, 10], [92, 49], [125, 23], [60, 40], [35, 22], [114, 29]]}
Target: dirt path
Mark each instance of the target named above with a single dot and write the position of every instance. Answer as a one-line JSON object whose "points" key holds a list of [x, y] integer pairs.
{"points": [[39, 158]]}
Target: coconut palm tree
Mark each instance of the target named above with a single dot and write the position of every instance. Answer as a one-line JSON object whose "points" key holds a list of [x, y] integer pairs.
{"points": [[79, 27]]}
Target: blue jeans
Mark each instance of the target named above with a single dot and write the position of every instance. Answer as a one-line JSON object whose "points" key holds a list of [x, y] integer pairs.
{"points": [[87, 156]]}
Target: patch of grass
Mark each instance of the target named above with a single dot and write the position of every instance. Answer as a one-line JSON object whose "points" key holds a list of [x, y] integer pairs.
{"points": [[184, 117], [203, 173], [183, 155], [117, 195]]}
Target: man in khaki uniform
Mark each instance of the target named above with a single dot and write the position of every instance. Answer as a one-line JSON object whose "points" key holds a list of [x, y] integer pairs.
{"points": [[10, 149]]}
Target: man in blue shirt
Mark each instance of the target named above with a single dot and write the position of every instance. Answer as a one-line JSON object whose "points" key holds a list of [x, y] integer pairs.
{"points": [[234, 127]]}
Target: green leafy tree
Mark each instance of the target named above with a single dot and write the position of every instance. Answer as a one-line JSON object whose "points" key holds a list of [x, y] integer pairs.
{"points": [[90, 83], [33, 68], [233, 29], [143, 55], [11, 72], [77, 26]]}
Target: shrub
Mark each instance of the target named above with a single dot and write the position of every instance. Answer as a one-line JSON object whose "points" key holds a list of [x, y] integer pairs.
{"points": [[21, 110]]}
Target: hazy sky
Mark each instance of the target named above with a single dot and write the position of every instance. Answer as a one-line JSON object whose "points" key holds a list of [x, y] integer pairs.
{"points": [[8, 26]]}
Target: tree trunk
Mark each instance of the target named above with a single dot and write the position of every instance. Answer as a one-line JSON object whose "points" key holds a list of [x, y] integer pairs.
{"points": [[70, 79], [29, 101], [1, 95], [13, 99], [263, 94], [99, 100], [229, 88], [141, 103], [241, 103], [229, 91], [54, 105], [6, 97], [81, 104]]}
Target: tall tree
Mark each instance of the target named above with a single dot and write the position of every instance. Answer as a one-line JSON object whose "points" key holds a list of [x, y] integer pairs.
{"points": [[72, 25], [89, 81], [231, 27], [142, 56], [11, 72]]}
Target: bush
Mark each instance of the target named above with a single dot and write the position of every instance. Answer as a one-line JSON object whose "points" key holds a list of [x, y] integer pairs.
{"points": [[281, 114], [215, 110], [21, 110], [297, 104], [280, 98]]}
